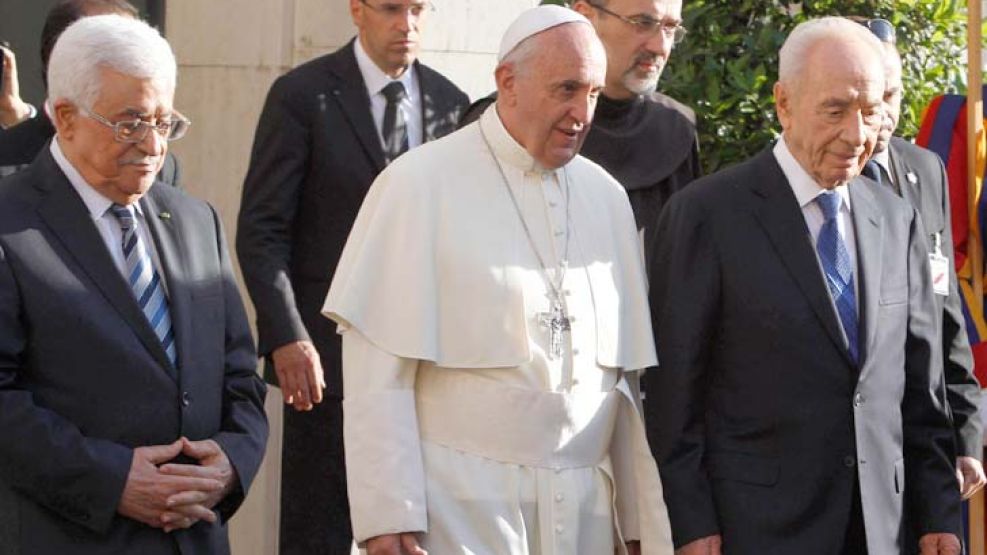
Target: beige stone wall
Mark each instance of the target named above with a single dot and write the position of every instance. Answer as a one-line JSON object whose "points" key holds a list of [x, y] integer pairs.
{"points": [[229, 52]]}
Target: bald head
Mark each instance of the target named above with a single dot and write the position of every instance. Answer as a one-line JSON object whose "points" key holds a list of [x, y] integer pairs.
{"points": [[829, 97], [547, 90]]}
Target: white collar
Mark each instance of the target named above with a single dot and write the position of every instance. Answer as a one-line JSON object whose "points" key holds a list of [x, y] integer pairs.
{"points": [[96, 203], [805, 188], [883, 159], [505, 147], [373, 77]]}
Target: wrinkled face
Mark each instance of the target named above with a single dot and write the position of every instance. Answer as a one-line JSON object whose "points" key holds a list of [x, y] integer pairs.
{"points": [[893, 91], [122, 172], [389, 31], [548, 102], [831, 112], [636, 55]]}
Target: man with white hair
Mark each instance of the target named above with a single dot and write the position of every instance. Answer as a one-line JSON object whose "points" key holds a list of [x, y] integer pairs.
{"points": [[797, 406], [918, 176], [490, 366], [132, 416]]}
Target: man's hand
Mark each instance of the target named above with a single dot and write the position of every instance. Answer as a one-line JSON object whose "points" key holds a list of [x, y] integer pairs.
{"points": [[710, 545], [197, 505], [299, 374], [970, 473], [146, 493], [13, 110], [634, 548], [395, 544], [939, 544]]}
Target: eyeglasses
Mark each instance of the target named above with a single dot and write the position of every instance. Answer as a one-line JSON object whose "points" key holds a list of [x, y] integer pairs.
{"points": [[135, 131], [881, 28], [394, 9], [647, 25]]}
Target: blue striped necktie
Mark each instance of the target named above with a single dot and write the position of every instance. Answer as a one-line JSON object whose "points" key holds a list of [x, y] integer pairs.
{"points": [[837, 266], [145, 281]]}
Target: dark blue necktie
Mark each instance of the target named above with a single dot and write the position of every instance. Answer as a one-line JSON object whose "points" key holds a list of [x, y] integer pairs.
{"points": [[838, 268], [145, 281], [394, 129], [873, 170]]}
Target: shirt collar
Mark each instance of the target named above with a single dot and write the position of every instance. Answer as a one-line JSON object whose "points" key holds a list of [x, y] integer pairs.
{"points": [[504, 146], [883, 159], [95, 202], [805, 188], [373, 77]]}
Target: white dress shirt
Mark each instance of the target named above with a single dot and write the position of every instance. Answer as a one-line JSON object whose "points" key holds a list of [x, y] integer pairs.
{"points": [[375, 79], [883, 160], [104, 220], [806, 190]]}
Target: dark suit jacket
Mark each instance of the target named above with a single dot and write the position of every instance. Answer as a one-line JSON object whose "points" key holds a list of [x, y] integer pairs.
{"points": [[921, 179], [20, 145], [758, 418], [315, 154], [84, 380]]}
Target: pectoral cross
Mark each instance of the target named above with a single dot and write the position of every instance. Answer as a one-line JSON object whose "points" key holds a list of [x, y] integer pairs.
{"points": [[557, 322]]}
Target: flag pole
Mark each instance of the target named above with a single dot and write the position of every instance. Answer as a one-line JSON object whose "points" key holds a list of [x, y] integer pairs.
{"points": [[974, 157]]}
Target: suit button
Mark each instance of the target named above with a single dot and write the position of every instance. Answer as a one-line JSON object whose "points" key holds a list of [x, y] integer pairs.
{"points": [[849, 461], [858, 400], [186, 399]]}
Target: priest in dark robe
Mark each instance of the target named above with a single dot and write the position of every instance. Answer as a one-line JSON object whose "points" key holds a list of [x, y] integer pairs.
{"points": [[645, 139]]}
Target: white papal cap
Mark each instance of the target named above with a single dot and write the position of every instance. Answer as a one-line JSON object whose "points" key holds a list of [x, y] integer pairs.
{"points": [[533, 21]]}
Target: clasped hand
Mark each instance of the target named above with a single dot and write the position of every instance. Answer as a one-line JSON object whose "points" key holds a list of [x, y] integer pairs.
{"points": [[176, 496]]}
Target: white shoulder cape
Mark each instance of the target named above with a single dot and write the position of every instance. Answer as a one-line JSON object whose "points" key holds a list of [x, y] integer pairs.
{"points": [[429, 272]]}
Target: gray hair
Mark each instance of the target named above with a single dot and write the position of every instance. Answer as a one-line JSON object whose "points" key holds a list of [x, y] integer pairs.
{"points": [[521, 55], [115, 42], [794, 53]]}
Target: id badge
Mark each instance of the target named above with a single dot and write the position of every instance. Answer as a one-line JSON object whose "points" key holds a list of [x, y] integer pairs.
{"points": [[940, 273], [939, 266]]}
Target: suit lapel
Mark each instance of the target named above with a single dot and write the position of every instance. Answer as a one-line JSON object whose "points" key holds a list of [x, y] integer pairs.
{"points": [[783, 222], [432, 110], [902, 170], [428, 111], [162, 222], [67, 217], [868, 223], [348, 89]]}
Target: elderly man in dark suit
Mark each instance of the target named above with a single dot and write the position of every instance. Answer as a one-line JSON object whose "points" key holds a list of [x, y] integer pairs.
{"points": [[327, 129], [918, 176], [132, 417], [797, 405]]}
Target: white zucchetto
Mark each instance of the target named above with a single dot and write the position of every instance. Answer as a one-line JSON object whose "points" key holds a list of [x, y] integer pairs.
{"points": [[533, 21]]}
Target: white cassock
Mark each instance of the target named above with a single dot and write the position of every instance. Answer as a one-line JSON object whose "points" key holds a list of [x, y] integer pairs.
{"points": [[458, 423]]}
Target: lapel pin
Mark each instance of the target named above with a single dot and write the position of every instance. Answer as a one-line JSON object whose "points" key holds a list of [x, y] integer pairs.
{"points": [[165, 215], [912, 178]]}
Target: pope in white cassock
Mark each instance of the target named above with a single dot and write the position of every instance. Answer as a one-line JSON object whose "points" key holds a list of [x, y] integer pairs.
{"points": [[492, 303]]}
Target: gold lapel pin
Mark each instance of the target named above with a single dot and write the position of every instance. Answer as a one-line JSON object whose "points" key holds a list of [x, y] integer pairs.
{"points": [[165, 215]]}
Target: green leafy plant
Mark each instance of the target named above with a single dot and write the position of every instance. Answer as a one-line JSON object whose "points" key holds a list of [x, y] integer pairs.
{"points": [[727, 65]]}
